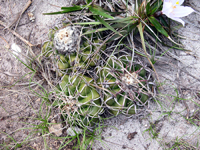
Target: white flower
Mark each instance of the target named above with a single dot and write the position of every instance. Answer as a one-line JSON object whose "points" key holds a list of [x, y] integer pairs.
{"points": [[173, 10]]}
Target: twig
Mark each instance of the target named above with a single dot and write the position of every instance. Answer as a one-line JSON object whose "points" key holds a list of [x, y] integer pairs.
{"points": [[7, 46], [54, 5], [10, 74], [16, 34], [19, 16]]}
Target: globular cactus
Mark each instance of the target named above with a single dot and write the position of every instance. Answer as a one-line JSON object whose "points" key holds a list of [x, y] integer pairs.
{"points": [[68, 56], [126, 85], [82, 103]]}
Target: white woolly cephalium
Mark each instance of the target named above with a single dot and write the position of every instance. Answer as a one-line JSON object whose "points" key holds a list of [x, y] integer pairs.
{"points": [[66, 40]]}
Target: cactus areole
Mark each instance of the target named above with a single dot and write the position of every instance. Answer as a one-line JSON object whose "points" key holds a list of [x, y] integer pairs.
{"points": [[66, 40]]}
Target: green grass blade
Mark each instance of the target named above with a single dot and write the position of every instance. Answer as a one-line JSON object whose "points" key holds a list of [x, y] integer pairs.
{"points": [[88, 23], [160, 29], [99, 11], [74, 8], [158, 26], [54, 13], [96, 30], [107, 25], [88, 1], [121, 20], [155, 7], [66, 10]]}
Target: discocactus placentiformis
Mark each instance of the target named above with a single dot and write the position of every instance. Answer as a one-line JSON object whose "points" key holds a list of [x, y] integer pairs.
{"points": [[82, 102], [83, 58], [126, 85], [119, 83]]}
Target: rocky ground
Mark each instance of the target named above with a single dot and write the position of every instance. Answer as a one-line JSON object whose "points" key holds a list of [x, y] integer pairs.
{"points": [[168, 122]]}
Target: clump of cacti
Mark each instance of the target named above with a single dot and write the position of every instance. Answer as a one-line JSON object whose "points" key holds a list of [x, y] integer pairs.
{"points": [[118, 82]]}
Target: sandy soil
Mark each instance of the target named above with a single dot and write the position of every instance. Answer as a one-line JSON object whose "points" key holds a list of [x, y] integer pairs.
{"points": [[16, 107]]}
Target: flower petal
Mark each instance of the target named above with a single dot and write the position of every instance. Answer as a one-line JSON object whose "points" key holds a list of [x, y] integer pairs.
{"points": [[181, 11], [167, 8], [181, 2], [179, 20], [177, 2]]}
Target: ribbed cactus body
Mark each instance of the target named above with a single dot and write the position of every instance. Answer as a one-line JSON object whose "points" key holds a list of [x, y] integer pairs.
{"points": [[87, 99], [89, 54], [47, 48], [125, 84]]}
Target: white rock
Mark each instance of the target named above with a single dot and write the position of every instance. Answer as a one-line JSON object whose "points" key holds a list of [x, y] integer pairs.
{"points": [[16, 49]]}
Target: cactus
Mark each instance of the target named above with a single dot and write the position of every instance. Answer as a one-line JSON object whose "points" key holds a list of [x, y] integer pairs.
{"points": [[84, 102], [85, 59], [89, 51], [47, 48], [126, 85]]}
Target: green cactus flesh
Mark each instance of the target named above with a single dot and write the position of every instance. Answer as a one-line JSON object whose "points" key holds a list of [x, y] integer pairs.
{"points": [[87, 98], [47, 48], [125, 88]]}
